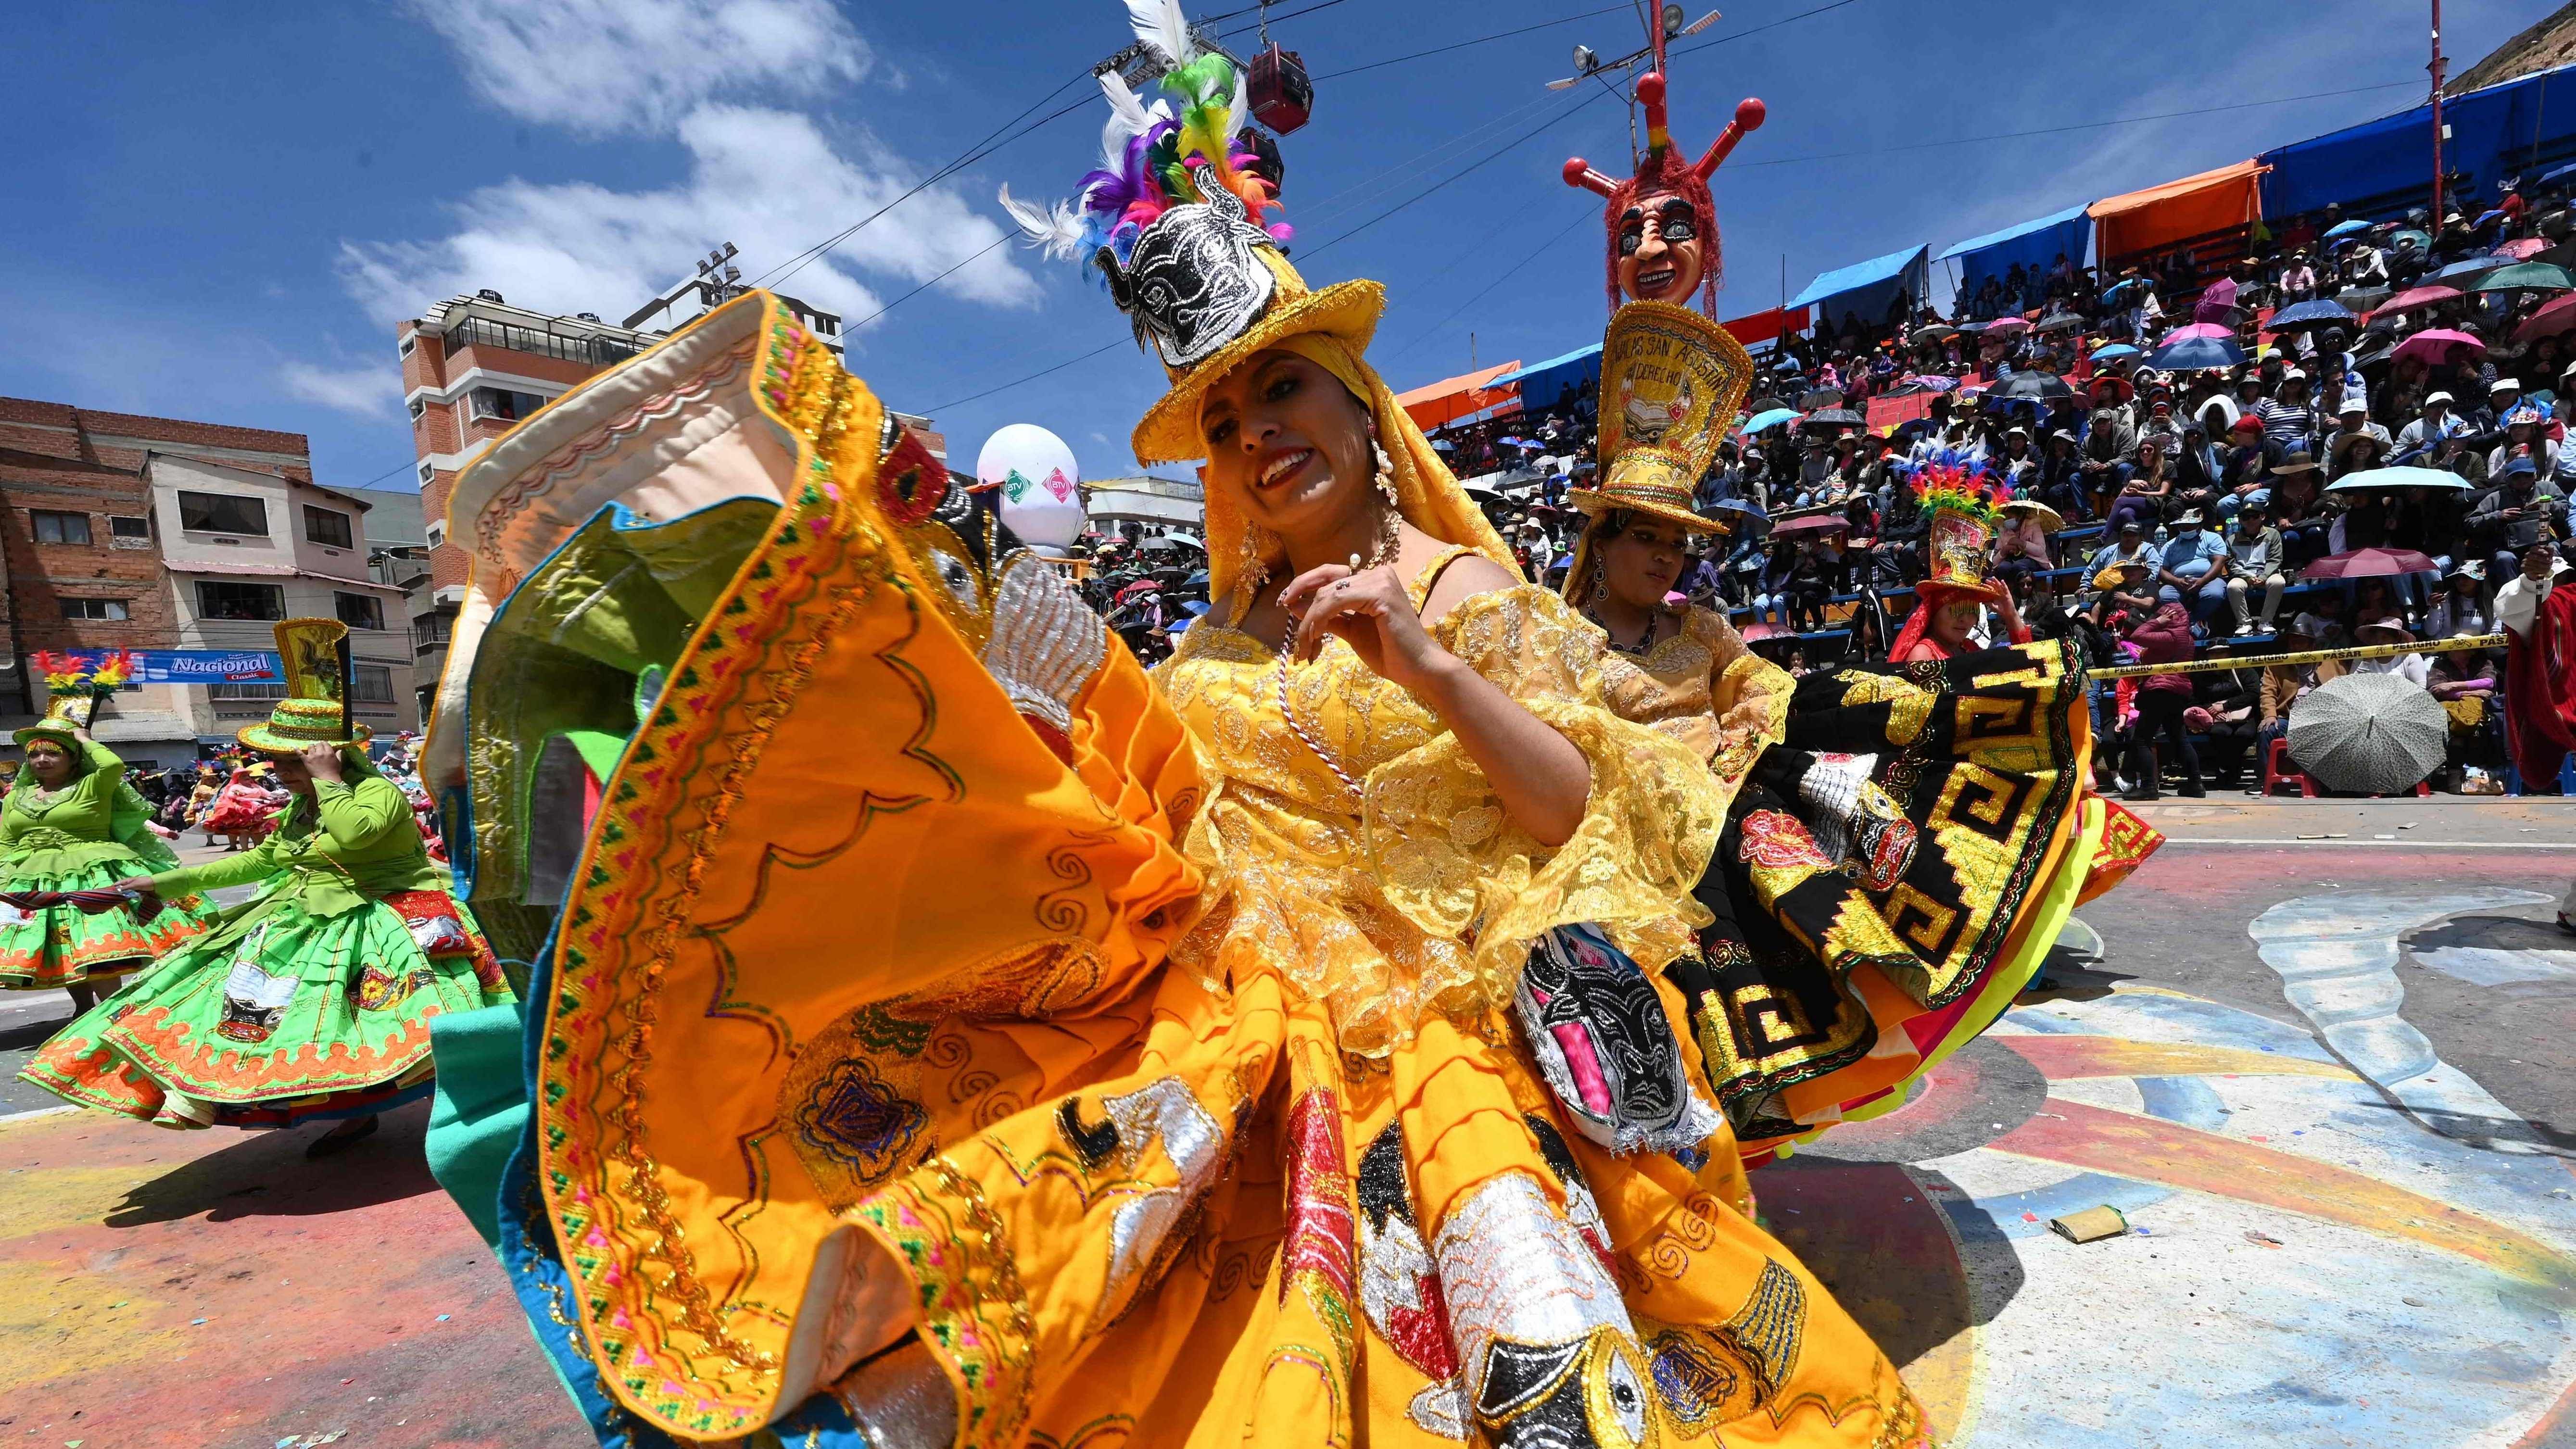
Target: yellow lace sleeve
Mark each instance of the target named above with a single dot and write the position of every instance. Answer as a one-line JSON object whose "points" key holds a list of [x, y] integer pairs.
{"points": [[1449, 857]]}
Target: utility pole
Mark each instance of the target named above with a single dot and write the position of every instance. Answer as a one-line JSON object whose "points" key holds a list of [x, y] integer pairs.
{"points": [[2437, 114]]}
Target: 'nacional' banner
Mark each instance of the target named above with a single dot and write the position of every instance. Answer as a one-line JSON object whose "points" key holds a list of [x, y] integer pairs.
{"points": [[197, 666]]}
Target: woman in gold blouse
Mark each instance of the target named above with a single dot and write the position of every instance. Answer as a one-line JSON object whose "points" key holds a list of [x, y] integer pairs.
{"points": [[1902, 842], [1268, 1051]]}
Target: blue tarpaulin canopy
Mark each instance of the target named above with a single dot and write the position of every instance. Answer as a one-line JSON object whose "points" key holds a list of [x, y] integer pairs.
{"points": [[1542, 383], [1866, 287], [2034, 244], [2387, 164]]}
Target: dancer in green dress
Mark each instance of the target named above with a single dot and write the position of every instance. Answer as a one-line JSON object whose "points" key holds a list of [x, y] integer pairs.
{"points": [[313, 999], [72, 823]]}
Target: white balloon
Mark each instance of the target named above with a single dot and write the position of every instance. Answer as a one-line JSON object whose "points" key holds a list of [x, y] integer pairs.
{"points": [[1039, 483]]}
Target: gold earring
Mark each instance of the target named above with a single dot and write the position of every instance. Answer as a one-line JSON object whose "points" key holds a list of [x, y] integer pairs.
{"points": [[1386, 476], [1252, 563]]}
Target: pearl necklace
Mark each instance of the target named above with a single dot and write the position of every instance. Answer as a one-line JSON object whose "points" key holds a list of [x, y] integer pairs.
{"points": [[1387, 540]]}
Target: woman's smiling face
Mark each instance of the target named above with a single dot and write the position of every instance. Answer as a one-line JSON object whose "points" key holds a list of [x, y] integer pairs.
{"points": [[1288, 442]]}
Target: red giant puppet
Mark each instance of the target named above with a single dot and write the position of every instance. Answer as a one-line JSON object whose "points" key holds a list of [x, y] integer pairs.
{"points": [[1662, 221]]}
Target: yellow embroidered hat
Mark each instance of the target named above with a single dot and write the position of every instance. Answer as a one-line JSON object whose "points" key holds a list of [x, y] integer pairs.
{"points": [[1671, 381], [316, 708]]}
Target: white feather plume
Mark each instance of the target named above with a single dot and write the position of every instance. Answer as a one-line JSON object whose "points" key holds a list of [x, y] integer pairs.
{"points": [[1241, 110], [1057, 229], [1160, 24], [1127, 118]]}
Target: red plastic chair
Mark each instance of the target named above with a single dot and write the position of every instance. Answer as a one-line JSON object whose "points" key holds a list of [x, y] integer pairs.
{"points": [[2277, 768]]}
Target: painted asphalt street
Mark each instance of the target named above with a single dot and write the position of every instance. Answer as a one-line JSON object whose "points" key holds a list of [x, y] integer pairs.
{"points": [[2318, 1053]]}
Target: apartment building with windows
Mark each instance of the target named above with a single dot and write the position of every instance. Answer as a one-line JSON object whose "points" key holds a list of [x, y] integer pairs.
{"points": [[244, 549]]}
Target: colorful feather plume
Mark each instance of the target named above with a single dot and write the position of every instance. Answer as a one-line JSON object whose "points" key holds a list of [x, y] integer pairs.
{"points": [[63, 672], [1958, 487], [1152, 156]]}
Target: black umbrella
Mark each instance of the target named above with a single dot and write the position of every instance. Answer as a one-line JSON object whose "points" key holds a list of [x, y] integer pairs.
{"points": [[1823, 397], [1833, 418], [2061, 322], [2036, 386]]}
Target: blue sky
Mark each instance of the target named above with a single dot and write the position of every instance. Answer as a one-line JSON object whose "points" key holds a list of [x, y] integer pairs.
{"points": [[220, 211]]}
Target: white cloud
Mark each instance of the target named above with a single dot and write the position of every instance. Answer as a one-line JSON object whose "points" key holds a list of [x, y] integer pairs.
{"points": [[766, 180], [365, 391], [606, 66]]}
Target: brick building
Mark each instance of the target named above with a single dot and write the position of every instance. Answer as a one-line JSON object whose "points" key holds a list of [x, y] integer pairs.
{"points": [[82, 558], [474, 367]]}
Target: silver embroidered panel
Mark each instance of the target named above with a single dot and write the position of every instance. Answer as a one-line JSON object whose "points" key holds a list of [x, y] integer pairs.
{"points": [[1046, 642]]}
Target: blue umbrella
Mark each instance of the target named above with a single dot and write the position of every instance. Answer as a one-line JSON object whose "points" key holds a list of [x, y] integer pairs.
{"points": [[1772, 419], [2557, 174], [1194, 607], [1749, 515], [2124, 284], [2303, 315], [2195, 353], [2473, 267], [2347, 228], [2112, 351], [1196, 581]]}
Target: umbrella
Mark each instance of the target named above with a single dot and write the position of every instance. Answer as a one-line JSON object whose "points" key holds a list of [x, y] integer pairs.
{"points": [[2473, 267], [2008, 324], [1513, 443], [2050, 520], [2347, 228], [1443, 445], [2525, 247], [2400, 478], [2301, 316], [1833, 418], [2124, 284], [2370, 563], [2558, 315], [2555, 175], [2035, 386], [1170, 541], [1937, 332], [2373, 734], [2211, 330], [2437, 344], [2414, 297], [2061, 322], [1747, 515], [1770, 419], [2113, 351], [1823, 397], [1197, 580], [1810, 523], [1935, 381], [1194, 607], [2196, 354], [1755, 633], [2399, 238], [2528, 277]]}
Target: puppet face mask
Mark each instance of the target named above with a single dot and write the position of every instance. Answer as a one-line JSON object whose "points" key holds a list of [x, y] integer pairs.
{"points": [[1661, 253]]}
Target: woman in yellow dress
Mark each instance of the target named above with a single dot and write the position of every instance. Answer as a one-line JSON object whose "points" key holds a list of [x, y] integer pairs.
{"points": [[1903, 842], [1268, 1051]]}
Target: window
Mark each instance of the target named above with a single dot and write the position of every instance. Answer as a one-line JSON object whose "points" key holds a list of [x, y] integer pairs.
{"points": [[407, 345], [437, 534], [427, 472], [374, 684], [124, 527], [113, 609], [245, 689], [223, 599], [60, 527], [417, 408], [501, 404], [360, 611], [222, 513], [430, 630], [327, 527]]}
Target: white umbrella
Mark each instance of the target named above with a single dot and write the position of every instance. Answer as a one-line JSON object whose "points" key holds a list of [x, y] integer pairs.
{"points": [[2371, 734]]}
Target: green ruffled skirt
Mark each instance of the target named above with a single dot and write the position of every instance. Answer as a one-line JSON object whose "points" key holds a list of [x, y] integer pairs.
{"points": [[60, 945], [296, 1018]]}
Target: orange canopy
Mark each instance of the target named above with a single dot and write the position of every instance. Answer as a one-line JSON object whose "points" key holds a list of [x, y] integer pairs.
{"points": [[2160, 215], [1453, 398]]}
